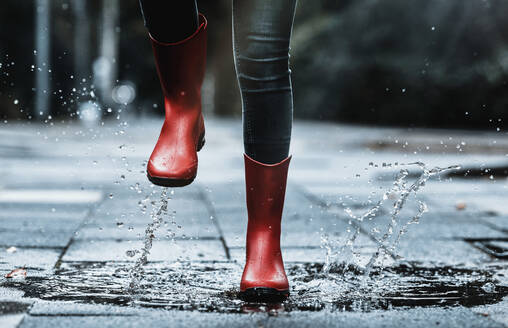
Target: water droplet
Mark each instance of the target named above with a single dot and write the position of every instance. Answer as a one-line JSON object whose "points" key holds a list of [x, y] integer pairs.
{"points": [[131, 253], [489, 288], [11, 250]]}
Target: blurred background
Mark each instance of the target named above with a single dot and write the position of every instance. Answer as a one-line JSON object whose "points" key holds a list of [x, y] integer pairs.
{"points": [[428, 63]]}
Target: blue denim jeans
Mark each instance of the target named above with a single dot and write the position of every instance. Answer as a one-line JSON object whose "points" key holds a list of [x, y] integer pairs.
{"points": [[261, 37]]}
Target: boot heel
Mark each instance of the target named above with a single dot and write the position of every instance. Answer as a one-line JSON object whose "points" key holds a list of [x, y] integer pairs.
{"points": [[263, 295], [201, 142]]}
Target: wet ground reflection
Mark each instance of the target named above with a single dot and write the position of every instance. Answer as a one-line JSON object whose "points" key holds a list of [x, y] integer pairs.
{"points": [[212, 287]]}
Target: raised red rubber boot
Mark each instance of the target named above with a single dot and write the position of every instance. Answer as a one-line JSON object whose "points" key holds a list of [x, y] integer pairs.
{"points": [[264, 278], [181, 69]]}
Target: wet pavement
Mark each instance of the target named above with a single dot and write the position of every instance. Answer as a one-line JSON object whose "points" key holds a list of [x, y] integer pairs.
{"points": [[77, 215]]}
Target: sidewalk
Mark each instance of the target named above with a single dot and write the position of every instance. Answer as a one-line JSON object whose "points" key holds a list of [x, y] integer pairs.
{"points": [[75, 203]]}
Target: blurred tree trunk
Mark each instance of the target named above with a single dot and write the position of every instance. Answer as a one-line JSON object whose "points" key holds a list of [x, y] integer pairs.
{"points": [[42, 46], [225, 93], [105, 67], [81, 40]]}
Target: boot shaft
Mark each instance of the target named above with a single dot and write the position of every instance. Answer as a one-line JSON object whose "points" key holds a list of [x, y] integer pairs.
{"points": [[265, 191], [181, 66]]}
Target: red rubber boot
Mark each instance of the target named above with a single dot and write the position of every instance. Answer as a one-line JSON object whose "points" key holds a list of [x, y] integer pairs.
{"points": [[181, 69], [264, 278]]}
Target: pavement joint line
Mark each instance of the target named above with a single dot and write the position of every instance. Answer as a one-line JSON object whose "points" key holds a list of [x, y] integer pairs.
{"points": [[478, 243], [91, 210], [56, 248], [204, 238], [284, 247], [213, 214], [22, 319], [152, 262], [82, 315], [25, 314], [316, 200], [494, 226]]}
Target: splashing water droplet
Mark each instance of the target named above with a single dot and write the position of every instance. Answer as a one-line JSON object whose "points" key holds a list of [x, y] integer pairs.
{"points": [[136, 273]]}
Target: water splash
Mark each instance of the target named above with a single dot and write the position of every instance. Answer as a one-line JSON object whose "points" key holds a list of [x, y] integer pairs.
{"points": [[400, 192], [136, 273], [212, 287]]}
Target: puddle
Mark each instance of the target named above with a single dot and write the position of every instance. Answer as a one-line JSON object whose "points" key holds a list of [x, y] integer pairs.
{"points": [[212, 287], [495, 247], [7, 307], [491, 172]]}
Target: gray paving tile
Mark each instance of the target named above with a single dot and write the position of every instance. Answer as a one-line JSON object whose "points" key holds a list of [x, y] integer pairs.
{"points": [[171, 318], [60, 308], [300, 226], [423, 317], [448, 252], [39, 262], [11, 320], [189, 250], [35, 238], [453, 317], [43, 212], [35, 223], [496, 312], [432, 227], [308, 255]]}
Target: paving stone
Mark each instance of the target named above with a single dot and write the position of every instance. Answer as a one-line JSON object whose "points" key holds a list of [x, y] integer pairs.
{"points": [[191, 222], [38, 262], [299, 228], [43, 212], [117, 208], [308, 255], [448, 252], [35, 238], [129, 231], [454, 317], [60, 308], [424, 317], [40, 223], [10, 294], [11, 320], [496, 312], [170, 318], [50, 196], [432, 227], [189, 250], [226, 194]]}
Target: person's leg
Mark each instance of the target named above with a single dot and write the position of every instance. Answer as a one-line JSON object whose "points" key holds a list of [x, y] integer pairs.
{"points": [[179, 48], [262, 31], [169, 20]]}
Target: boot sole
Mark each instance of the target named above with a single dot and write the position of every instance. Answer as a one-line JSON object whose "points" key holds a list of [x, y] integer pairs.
{"points": [[168, 182], [264, 295]]}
